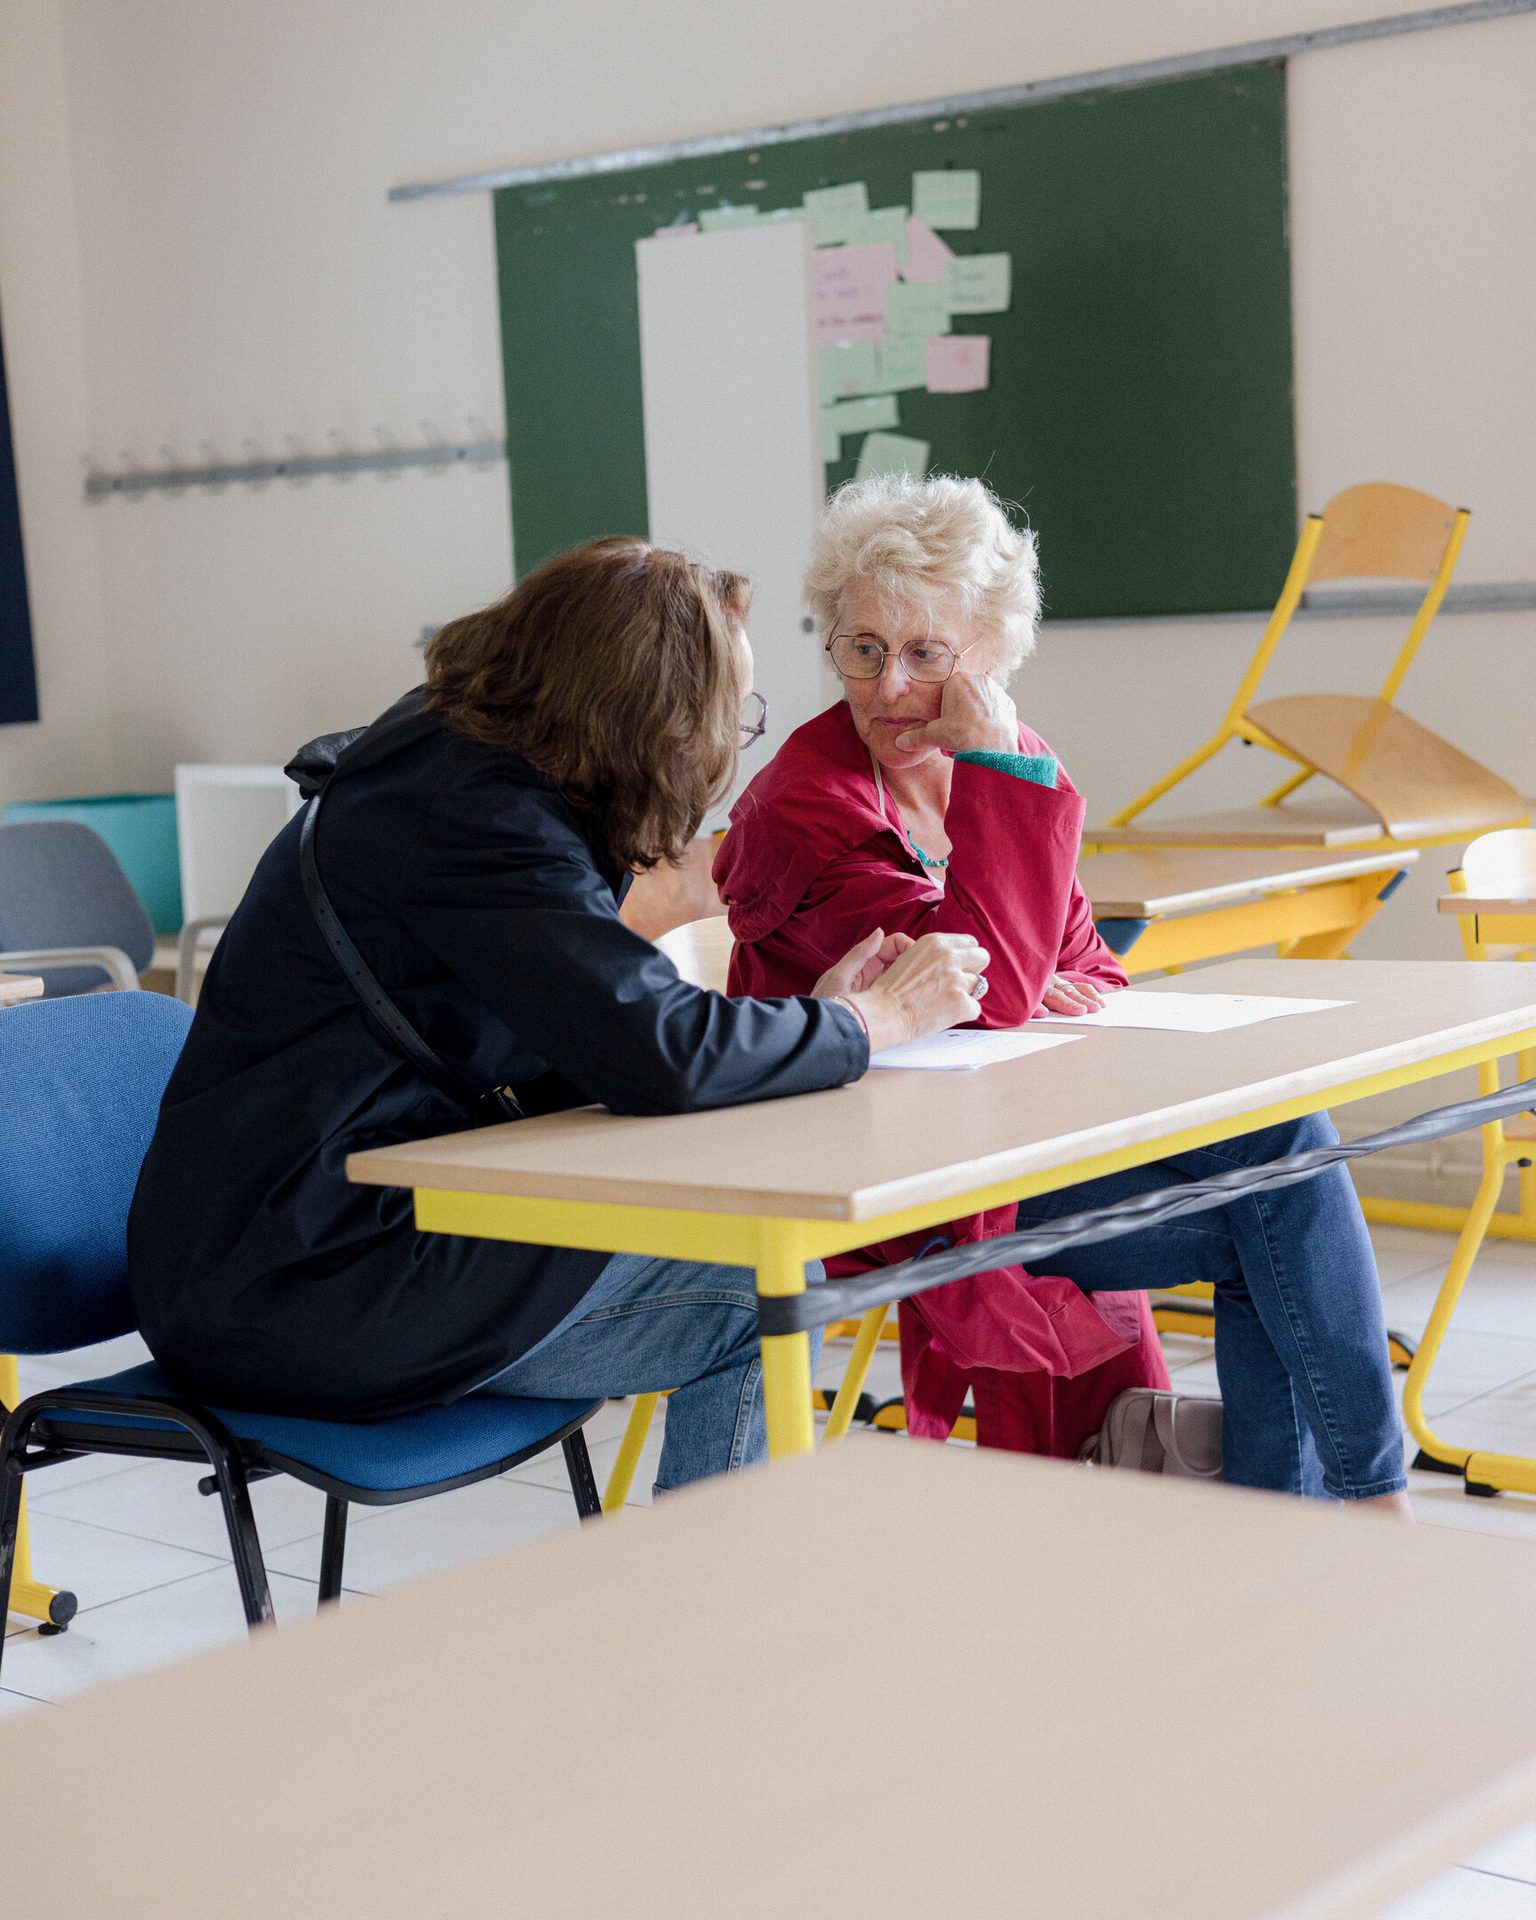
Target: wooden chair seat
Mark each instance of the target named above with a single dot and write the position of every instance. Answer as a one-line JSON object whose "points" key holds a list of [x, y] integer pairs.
{"points": [[1330, 821], [1417, 785]]}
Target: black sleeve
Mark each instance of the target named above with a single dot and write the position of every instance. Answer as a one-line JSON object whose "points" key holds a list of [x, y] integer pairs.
{"points": [[505, 892]]}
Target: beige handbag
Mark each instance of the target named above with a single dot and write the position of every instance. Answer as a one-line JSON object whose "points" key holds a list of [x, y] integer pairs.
{"points": [[1158, 1432]]}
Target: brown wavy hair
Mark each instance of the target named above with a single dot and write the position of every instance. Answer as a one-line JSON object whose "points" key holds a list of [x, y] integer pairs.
{"points": [[613, 670]]}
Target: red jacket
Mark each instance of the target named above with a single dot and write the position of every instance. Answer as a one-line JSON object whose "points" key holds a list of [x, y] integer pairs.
{"points": [[814, 861]]}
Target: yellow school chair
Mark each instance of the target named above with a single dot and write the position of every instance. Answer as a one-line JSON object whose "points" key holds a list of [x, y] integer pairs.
{"points": [[1493, 896], [1405, 785]]}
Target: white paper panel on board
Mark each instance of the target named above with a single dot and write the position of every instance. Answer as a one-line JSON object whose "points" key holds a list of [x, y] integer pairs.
{"points": [[733, 435]]}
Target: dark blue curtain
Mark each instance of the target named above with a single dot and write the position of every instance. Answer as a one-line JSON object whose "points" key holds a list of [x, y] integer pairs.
{"points": [[18, 673]]}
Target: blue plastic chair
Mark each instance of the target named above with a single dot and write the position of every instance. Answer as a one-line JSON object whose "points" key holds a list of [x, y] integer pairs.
{"points": [[82, 1081], [67, 909]]}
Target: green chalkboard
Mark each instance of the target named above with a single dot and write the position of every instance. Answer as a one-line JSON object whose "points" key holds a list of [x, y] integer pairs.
{"points": [[1139, 411]]}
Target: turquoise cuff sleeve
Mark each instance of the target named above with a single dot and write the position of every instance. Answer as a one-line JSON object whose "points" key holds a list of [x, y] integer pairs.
{"points": [[1042, 768]]}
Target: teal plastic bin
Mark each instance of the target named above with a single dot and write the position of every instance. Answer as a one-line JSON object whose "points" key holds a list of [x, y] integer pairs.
{"points": [[140, 828]]}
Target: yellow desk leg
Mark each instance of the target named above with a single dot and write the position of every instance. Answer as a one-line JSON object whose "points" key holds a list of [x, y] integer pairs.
{"points": [[622, 1478], [1440, 1319], [28, 1596], [786, 1356], [867, 1339]]}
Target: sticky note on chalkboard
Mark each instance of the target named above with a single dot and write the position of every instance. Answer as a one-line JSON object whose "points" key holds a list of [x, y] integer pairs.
{"points": [[948, 198], [717, 219], [851, 284], [892, 453], [980, 282], [901, 364], [831, 209], [862, 416], [960, 363], [884, 223], [926, 257], [853, 367], [916, 309]]}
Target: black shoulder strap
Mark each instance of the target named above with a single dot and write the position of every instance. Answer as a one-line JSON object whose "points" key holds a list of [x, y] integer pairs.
{"points": [[484, 1105]]}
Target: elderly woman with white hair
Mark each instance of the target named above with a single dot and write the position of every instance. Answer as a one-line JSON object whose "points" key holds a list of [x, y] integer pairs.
{"points": [[918, 803]]}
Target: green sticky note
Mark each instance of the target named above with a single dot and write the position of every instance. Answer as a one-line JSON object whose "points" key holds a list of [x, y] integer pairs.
{"points": [[861, 416], [832, 210], [884, 223], [980, 282], [948, 197], [831, 439], [851, 367], [901, 364], [716, 219], [892, 453], [915, 309]]}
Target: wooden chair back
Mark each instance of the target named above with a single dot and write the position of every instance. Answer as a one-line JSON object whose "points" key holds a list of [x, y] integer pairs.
{"points": [[701, 951], [1378, 531]]}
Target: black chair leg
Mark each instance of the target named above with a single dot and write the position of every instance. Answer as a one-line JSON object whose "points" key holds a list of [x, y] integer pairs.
{"points": [[244, 1542], [333, 1549], [10, 1521], [578, 1464]]}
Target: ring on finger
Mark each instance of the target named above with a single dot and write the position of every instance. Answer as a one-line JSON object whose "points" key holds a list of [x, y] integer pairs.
{"points": [[979, 990]]}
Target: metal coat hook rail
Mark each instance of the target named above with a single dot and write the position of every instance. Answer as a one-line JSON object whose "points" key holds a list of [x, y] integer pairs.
{"points": [[297, 465]]}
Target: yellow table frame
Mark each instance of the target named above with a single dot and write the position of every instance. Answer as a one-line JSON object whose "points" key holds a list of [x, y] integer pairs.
{"points": [[29, 1597], [778, 1248], [1503, 1147]]}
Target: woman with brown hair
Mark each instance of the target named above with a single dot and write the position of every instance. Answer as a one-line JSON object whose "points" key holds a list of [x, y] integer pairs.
{"points": [[474, 846]]}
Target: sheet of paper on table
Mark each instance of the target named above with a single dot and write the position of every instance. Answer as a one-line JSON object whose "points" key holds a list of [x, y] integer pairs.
{"points": [[1188, 1012], [947, 1052]]}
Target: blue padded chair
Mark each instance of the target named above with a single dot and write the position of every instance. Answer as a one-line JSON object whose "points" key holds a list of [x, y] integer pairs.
{"points": [[67, 910], [80, 1087]]}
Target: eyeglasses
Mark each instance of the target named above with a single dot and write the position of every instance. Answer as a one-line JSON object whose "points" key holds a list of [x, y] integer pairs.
{"points": [[754, 719], [860, 656]]}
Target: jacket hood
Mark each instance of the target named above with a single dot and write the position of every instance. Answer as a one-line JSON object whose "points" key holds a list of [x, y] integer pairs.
{"points": [[332, 756]]}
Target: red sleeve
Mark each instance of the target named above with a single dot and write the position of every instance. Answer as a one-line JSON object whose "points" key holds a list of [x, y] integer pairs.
{"points": [[1012, 884]]}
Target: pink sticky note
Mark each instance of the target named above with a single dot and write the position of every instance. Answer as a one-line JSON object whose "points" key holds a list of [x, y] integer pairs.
{"points": [[850, 291], [959, 363], [928, 257]]}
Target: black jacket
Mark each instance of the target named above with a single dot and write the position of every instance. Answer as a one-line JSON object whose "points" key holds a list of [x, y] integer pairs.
{"points": [[488, 909]]}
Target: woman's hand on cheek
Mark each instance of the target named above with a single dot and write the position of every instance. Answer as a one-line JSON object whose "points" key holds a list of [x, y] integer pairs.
{"points": [[862, 965], [976, 716]]}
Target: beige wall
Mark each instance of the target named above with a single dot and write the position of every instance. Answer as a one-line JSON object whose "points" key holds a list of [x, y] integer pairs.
{"points": [[230, 269], [43, 306]]}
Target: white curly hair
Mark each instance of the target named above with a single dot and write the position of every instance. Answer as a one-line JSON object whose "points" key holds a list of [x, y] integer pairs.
{"points": [[937, 542]]}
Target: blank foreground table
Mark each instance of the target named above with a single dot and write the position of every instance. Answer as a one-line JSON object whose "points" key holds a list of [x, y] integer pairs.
{"points": [[895, 1680]]}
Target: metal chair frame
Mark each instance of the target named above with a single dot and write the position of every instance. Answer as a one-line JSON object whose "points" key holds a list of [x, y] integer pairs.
{"points": [[38, 1434]]}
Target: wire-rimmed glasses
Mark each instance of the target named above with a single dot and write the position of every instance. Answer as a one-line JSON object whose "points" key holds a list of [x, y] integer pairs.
{"points": [[754, 720], [860, 656]]}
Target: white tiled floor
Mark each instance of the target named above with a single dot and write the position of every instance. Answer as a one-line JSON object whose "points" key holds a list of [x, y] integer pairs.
{"points": [[149, 1560]]}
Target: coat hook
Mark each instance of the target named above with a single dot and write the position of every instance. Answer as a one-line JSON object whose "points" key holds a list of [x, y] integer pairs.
{"points": [[252, 449]]}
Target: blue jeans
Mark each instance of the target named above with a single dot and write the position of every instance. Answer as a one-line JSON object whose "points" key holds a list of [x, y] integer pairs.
{"points": [[1301, 1347], [647, 1326]]}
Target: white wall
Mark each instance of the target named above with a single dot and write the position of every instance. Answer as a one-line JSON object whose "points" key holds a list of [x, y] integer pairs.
{"points": [[41, 299], [241, 275]]}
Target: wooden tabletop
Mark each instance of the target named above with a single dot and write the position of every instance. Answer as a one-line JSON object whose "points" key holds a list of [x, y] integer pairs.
{"points": [[1333, 821], [1471, 903], [1145, 883], [16, 987], [644, 1718], [895, 1140]]}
